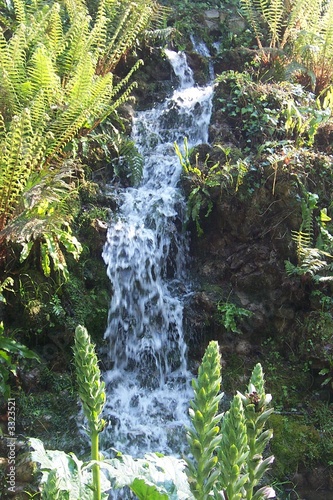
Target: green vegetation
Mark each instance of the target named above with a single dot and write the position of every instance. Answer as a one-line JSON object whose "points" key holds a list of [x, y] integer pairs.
{"points": [[226, 460], [265, 183], [57, 84], [230, 315], [298, 32], [92, 395], [205, 177]]}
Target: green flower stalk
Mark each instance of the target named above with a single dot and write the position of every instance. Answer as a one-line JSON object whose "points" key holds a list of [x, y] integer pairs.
{"points": [[233, 452], [204, 438], [92, 395], [255, 403]]}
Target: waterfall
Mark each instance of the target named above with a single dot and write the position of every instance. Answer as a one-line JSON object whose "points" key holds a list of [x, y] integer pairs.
{"points": [[148, 382]]}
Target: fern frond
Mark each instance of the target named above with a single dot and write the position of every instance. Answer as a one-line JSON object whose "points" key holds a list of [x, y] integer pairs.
{"points": [[162, 35], [159, 13], [108, 98], [313, 261], [74, 45], [75, 7], [113, 50], [131, 20], [65, 128], [43, 76], [79, 87], [303, 241], [39, 107], [20, 12], [129, 162], [98, 34], [274, 19], [126, 79], [19, 158], [325, 56], [250, 12], [12, 71], [54, 30], [290, 268], [17, 46], [2, 132]]}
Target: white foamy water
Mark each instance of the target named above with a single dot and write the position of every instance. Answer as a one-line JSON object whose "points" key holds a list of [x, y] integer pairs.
{"points": [[148, 383]]}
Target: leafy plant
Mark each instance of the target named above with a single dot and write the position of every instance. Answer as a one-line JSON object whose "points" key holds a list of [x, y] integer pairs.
{"points": [[205, 178], [255, 403], [271, 111], [234, 451], [205, 436], [65, 476], [229, 315], [304, 116], [225, 461], [10, 351], [7, 284], [311, 259], [92, 395], [299, 32], [107, 147], [228, 462], [57, 83]]}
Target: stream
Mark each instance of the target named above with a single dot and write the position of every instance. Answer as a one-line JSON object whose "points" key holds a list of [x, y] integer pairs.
{"points": [[147, 378]]}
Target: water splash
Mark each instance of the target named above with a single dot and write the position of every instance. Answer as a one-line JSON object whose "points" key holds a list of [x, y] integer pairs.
{"points": [[148, 382]]}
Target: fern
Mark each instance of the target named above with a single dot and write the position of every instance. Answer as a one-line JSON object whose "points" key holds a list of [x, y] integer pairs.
{"points": [[306, 26], [310, 260], [54, 30], [46, 219], [56, 85], [303, 241], [20, 11], [274, 18], [129, 162], [10, 73], [252, 15], [20, 154], [43, 76]]}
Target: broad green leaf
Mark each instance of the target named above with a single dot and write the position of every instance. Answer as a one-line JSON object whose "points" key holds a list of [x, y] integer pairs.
{"points": [[146, 491]]}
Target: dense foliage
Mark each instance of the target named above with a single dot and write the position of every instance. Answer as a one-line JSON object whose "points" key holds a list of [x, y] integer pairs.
{"points": [[227, 463], [67, 70]]}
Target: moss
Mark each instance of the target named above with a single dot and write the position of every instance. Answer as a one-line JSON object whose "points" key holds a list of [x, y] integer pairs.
{"points": [[294, 443], [86, 298], [51, 413]]}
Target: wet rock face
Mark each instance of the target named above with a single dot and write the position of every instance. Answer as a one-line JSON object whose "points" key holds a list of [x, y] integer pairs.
{"points": [[241, 257]]}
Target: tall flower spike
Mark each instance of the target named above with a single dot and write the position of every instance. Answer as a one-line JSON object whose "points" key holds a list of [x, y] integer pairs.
{"points": [[204, 438], [233, 452], [91, 388], [256, 413], [92, 395]]}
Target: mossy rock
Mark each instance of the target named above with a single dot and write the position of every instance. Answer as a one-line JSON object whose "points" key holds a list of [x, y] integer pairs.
{"points": [[294, 443]]}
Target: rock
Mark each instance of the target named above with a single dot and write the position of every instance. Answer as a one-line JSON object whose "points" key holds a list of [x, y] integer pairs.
{"points": [[317, 478], [212, 14], [236, 25], [212, 19], [30, 380], [25, 470], [243, 348]]}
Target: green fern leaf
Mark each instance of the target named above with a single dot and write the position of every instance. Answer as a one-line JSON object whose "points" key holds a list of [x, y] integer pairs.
{"points": [[43, 76], [20, 14], [17, 162]]}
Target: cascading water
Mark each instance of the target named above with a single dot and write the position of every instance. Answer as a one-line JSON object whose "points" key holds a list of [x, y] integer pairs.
{"points": [[148, 381]]}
